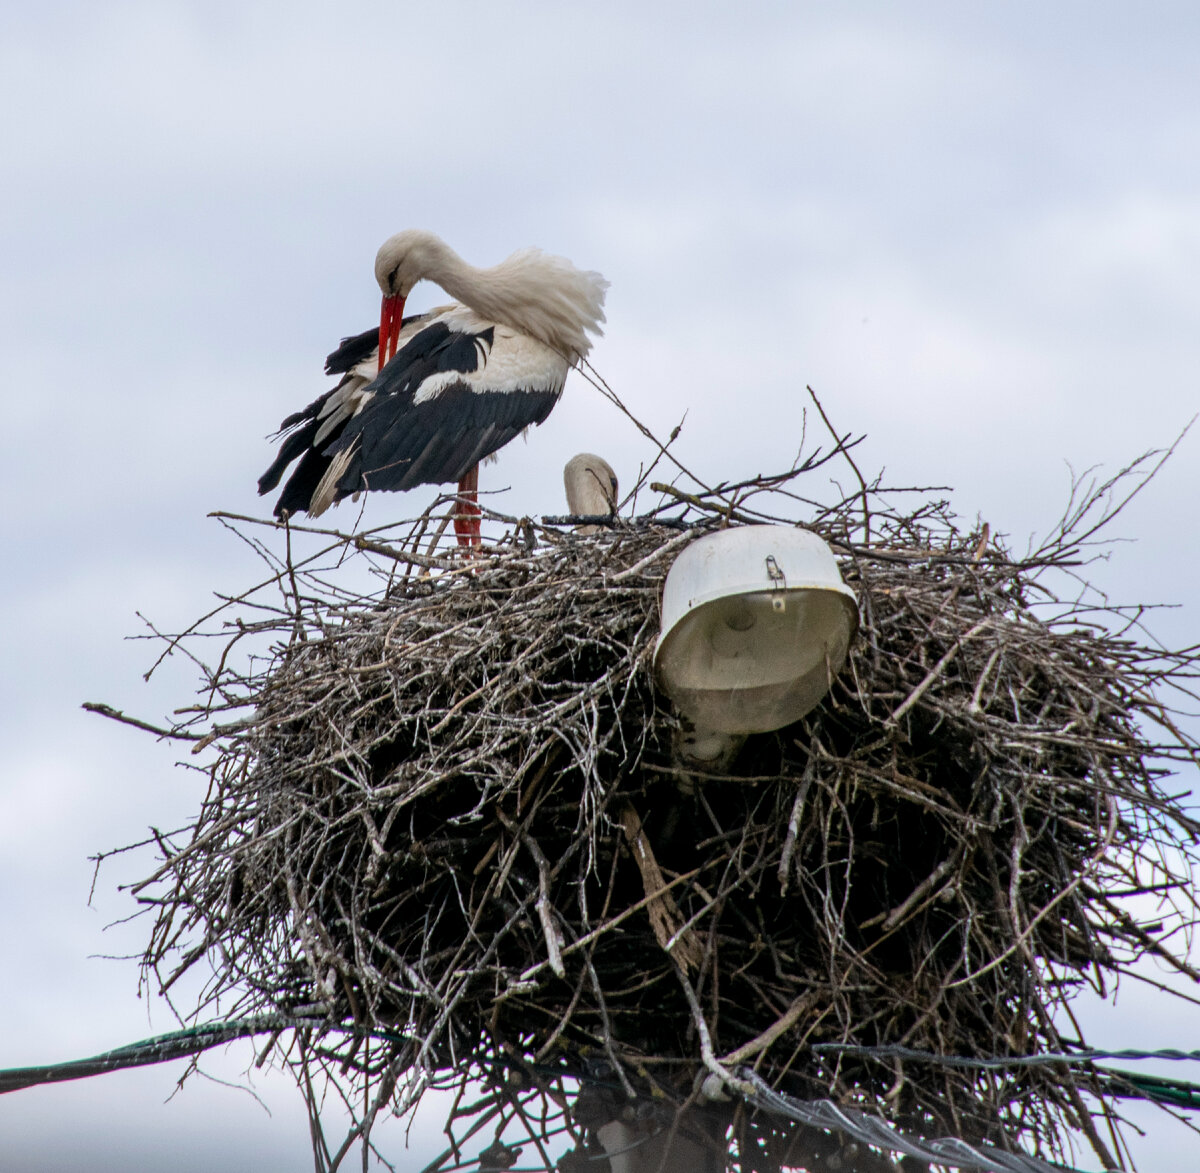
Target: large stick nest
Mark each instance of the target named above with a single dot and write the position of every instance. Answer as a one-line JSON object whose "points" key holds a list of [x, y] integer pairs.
{"points": [[451, 818]]}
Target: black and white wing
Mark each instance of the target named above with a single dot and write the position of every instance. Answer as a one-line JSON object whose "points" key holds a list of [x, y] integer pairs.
{"points": [[460, 389], [310, 431]]}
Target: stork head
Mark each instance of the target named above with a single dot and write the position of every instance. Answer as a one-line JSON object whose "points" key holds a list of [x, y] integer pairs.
{"points": [[402, 261], [591, 486]]}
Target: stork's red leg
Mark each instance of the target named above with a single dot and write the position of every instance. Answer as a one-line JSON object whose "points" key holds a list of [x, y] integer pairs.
{"points": [[467, 512]]}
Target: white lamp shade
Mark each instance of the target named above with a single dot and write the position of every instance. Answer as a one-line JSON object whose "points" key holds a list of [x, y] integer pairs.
{"points": [[756, 621]]}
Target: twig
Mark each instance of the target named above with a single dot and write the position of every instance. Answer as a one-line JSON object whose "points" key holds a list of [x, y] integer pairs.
{"points": [[117, 715]]}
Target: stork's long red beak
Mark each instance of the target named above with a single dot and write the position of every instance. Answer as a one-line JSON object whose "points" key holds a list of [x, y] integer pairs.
{"points": [[390, 317]]}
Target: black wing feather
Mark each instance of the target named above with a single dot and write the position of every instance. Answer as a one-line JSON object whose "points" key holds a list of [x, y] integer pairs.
{"points": [[297, 442], [440, 440], [351, 351], [395, 442], [359, 347]]}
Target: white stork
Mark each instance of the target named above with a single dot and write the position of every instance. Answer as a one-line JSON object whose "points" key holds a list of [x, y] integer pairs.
{"points": [[426, 398], [591, 488]]}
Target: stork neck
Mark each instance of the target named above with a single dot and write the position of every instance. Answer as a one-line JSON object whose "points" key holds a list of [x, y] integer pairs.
{"points": [[491, 293], [531, 292], [474, 288], [511, 293]]}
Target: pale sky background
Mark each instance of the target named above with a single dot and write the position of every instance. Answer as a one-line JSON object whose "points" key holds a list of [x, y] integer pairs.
{"points": [[973, 228]]}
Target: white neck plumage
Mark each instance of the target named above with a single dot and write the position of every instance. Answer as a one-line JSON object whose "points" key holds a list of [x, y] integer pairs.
{"points": [[538, 294]]}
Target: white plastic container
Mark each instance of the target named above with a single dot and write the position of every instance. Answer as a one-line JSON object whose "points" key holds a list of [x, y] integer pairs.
{"points": [[756, 622]]}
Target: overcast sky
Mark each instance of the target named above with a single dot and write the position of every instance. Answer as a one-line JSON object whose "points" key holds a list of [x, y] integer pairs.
{"points": [[973, 228]]}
